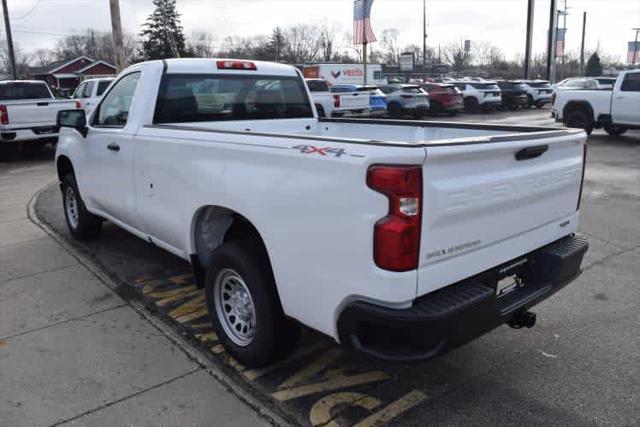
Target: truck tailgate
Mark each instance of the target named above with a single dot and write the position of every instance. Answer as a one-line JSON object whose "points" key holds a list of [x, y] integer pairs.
{"points": [[36, 112], [354, 101], [483, 206]]}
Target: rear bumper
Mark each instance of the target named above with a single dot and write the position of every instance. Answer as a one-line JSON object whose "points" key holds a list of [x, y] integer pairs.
{"points": [[452, 316], [28, 134]]}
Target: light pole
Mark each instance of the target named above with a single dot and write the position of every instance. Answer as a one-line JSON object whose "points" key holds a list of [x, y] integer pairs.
{"points": [[635, 47]]}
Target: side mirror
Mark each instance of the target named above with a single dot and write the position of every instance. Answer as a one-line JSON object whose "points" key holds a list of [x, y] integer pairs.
{"points": [[75, 119]]}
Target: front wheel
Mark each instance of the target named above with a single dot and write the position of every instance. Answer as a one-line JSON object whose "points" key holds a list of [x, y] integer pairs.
{"points": [[615, 130], [395, 110], [244, 306], [530, 102], [581, 120], [471, 105], [82, 224]]}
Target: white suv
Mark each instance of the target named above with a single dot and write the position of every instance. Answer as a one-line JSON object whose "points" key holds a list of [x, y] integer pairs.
{"points": [[539, 92], [90, 91], [483, 96]]}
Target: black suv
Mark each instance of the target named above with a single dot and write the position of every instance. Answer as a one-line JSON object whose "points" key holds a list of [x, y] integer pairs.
{"points": [[514, 94]]}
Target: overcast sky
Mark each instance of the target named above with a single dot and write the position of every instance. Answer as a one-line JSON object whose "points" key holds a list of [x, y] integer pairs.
{"points": [[500, 22]]}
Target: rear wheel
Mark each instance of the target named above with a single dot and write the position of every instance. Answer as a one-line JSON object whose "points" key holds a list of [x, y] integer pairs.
{"points": [[530, 102], [244, 306], [579, 119], [395, 110], [471, 104], [418, 113], [82, 224], [435, 108], [615, 130]]}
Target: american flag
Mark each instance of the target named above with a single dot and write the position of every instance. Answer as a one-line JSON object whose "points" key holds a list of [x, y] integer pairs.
{"points": [[362, 31], [560, 33], [634, 47]]}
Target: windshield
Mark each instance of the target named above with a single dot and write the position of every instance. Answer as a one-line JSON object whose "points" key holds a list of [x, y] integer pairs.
{"points": [[318, 85], [202, 98], [102, 86], [24, 91], [484, 86], [538, 84]]}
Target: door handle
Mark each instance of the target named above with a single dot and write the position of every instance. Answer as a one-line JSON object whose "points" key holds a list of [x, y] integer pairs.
{"points": [[531, 152], [113, 147]]}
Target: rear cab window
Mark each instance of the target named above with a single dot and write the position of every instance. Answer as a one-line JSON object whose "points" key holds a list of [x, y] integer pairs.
{"points": [[21, 91], [206, 97], [631, 83], [318, 85]]}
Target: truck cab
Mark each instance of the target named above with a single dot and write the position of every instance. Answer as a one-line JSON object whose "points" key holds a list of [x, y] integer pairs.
{"points": [[616, 110]]}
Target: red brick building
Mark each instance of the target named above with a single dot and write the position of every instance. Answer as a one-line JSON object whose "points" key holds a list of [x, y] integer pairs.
{"points": [[64, 76]]}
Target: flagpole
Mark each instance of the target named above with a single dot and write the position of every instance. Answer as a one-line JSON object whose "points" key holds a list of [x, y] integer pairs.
{"points": [[364, 51]]}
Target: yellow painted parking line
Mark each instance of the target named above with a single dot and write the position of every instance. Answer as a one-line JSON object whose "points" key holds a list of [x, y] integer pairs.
{"points": [[339, 381], [217, 349], [312, 369], [392, 410], [321, 412], [252, 374], [205, 325], [150, 286], [182, 279], [235, 364], [167, 297], [192, 316], [208, 337], [194, 304]]}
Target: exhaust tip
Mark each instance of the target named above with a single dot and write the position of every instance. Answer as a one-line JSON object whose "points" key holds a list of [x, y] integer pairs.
{"points": [[523, 319]]}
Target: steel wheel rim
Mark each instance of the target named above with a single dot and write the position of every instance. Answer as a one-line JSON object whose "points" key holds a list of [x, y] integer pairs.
{"points": [[234, 307], [71, 206]]}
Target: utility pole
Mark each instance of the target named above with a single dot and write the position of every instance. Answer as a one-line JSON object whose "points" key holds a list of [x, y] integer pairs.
{"points": [[7, 26], [551, 42], [584, 28], [424, 35], [635, 48], [116, 33], [527, 51], [564, 30]]}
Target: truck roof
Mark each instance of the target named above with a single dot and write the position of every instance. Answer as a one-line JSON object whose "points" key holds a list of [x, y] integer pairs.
{"points": [[5, 82], [209, 65]]}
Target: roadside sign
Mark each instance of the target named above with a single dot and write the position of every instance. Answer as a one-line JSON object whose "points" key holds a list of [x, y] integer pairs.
{"points": [[407, 61]]}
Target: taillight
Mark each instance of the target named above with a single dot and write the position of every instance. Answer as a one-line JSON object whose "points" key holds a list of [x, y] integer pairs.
{"points": [[584, 166], [396, 237], [78, 104], [236, 65], [553, 98], [4, 115], [336, 101]]}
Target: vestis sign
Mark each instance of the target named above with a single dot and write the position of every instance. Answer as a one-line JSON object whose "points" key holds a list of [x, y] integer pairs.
{"points": [[345, 73]]}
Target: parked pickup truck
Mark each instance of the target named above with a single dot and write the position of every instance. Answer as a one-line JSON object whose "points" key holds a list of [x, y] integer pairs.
{"points": [[338, 104], [28, 113], [401, 239], [614, 110]]}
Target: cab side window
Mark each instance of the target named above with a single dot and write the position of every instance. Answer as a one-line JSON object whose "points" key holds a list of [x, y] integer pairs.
{"points": [[113, 111], [79, 91], [631, 83], [88, 89]]}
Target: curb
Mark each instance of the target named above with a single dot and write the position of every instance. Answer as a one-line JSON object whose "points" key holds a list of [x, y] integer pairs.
{"points": [[192, 353]]}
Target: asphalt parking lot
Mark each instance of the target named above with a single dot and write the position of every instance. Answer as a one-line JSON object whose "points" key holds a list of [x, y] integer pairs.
{"points": [[579, 365]]}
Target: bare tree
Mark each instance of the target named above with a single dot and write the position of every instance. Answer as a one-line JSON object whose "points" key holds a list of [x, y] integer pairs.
{"points": [[389, 46], [22, 60], [303, 43], [200, 43], [94, 44]]}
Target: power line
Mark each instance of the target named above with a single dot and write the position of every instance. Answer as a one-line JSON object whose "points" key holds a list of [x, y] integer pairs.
{"points": [[33, 8]]}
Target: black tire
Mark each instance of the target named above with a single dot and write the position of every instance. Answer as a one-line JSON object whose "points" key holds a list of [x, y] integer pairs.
{"points": [[615, 130], [530, 102], [539, 105], [395, 110], [435, 108], [579, 119], [418, 114], [82, 224], [274, 335], [453, 113], [320, 110], [471, 105]]}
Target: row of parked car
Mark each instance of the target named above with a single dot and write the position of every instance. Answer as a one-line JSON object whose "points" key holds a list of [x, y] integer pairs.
{"points": [[419, 98]]}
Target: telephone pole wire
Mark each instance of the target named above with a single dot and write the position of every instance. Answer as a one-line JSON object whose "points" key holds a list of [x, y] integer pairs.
{"points": [[7, 26], [116, 33]]}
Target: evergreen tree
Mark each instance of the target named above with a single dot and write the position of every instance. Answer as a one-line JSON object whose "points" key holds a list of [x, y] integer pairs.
{"points": [[276, 45], [162, 35], [593, 68]]}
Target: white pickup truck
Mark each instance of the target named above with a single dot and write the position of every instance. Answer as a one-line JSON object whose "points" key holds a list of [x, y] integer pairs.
{"points": [[614, 110], [401, 239], [330, 104], [28, 113]]}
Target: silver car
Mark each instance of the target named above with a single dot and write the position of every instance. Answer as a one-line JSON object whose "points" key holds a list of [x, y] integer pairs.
{"points": [[406, 99]]}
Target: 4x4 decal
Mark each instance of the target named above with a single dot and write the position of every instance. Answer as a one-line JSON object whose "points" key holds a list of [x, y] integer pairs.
{"points": [[323, 151]]}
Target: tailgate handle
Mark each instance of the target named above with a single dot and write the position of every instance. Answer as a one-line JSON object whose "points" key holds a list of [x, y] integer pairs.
{"points": [[531, 152]]}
